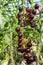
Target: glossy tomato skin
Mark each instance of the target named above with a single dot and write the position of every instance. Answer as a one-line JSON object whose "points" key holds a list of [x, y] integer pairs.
{"points": [[20, 35], [21, 50], [20, 9], [31, 21], [31, 51], [20, 40], [36, 6], [28, 50], [19, 44], [34, 12], [28, 10], [20, 19], [29, 45], [35, 58], [19, 15], [17, 29], [26, 56], [22, 25], [31, 59]]}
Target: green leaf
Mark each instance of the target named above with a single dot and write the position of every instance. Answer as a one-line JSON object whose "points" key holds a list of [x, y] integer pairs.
{"points": [[41, 0], [31, 1]]}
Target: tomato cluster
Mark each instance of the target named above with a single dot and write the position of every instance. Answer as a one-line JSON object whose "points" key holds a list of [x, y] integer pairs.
{"points": [[26, 51], [29, 16]]}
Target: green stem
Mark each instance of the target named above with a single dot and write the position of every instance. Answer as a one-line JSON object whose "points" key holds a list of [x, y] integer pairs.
{"points": [[38, 52], [11, 51]]}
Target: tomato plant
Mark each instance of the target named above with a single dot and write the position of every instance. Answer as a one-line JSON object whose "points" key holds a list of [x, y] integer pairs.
{"points": [[21, 32]]}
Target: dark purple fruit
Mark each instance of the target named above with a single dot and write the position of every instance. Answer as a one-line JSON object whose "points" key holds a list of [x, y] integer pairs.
{"points": [[19, 15], [20, 9], [31, 59], [31, 51], [20, 35], [36, 6], [19, 40], [34, 57], [28, 10], [28, 62], [29, 45], [33, 25], [26, 56], [17, 29], [19, 44], [34, 12], [28, 50], [21, 50], [22, 25], [31, 21], [20, 19]]}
